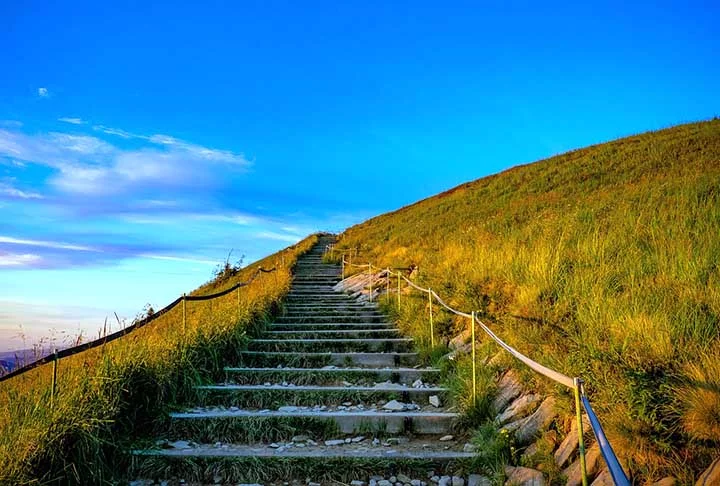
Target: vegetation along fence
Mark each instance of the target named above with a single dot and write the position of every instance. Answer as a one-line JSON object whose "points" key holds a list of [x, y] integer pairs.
{"points": [[184, 299], [576, 384]]}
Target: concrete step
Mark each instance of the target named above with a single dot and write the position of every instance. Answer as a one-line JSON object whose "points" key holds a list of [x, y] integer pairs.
{"points": [[300, 359], [332, 345], [191, 424], [331, 375], [273, 396], [308, 326], [349, 317], [275, 463], [333, 334]]}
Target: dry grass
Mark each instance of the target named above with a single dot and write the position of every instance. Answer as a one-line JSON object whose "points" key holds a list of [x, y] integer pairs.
{"points": [[602, 263], [109, 395]]}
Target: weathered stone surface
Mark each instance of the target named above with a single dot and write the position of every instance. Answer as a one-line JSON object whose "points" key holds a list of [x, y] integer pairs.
{"points": [[518, 408], [523, 476], [570, 444], [509, 388], [434, 400], [460, 339], [478, 480], [711, 475], [394, 405], [458, 481], [536, 422], [446, 438], [593, 460], [668, 481], [180, 444], [603, 479]]}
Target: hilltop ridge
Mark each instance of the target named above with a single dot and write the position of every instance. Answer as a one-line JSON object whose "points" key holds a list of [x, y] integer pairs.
{"points": [[602, 262]]}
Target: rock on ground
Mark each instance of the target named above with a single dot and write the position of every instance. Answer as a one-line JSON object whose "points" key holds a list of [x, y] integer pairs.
{"points": [[711, 475], [509, 388], [570, 444], [521, 406], [523, 476], [536, 422], [593, 460]]}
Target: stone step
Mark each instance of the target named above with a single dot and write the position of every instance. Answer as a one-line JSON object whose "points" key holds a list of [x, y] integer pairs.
{"points": [[331, 374], [273, 396], [332, 334], [336, 345], [275, 463], [350, 317], [206, 425], [300, 359], [305, 326]]}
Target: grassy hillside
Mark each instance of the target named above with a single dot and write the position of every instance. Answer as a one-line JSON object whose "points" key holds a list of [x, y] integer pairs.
{"points": [[108, 395], [602, 263]]}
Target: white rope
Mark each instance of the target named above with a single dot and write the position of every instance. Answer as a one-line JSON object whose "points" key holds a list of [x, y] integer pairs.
{"points": [[543, 370]]}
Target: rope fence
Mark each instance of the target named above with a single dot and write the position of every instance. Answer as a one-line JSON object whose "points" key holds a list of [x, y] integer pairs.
{"points": [[57, 355], [575, 384]]}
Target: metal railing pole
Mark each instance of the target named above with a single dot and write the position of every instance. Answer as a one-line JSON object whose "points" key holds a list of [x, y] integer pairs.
{"points": [[472, 336], [432, 331], [387, 282], [343, 267], [577, 382], [398, 299], [184, 299], [238, 303], [53, 390], [371, 280]]}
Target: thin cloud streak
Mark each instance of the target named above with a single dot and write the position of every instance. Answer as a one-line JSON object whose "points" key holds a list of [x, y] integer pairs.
{"points": [[19, 259], [179, 259], [72, 121], [46, 244]]}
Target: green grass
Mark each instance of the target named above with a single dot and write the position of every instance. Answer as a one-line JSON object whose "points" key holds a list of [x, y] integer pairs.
{"points": [[603, 263], [110, 395]]}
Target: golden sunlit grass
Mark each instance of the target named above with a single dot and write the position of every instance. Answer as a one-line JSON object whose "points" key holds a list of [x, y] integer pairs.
{"points": [[108, 396], [602, 263]]}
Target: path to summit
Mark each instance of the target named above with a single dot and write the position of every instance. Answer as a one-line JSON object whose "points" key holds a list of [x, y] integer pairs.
{"points": [[329, 391]]}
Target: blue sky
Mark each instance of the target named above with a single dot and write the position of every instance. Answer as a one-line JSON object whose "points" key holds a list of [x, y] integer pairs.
{"points": [[140, 143]]}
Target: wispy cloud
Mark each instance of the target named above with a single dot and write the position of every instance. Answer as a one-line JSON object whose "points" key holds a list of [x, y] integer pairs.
{"points": [[11, 123], [46, 244], [88, 166], [180, 259], [18, 259], [72, 121], [272, 235], [13, 192], [43, 92]]}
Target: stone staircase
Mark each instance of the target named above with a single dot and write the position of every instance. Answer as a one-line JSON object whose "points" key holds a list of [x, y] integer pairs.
{"points": [[329, 392]]}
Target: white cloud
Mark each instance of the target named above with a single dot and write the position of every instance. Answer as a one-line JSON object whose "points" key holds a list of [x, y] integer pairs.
{"points": [[45, 244], [11, 123], [87, 165], [18, 259], [72, 121], [271, 235], [43, 92], [8, 190], [116, 131], [180, 259]]}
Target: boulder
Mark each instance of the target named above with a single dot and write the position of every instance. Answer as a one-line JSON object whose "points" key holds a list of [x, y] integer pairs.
{"points": [[478, 480], [518, 408], [711, 474], [593, 461], [509, 388], [603, 479], [460, 339], [668, 481], [523, 476], [570, 444], [537, 422]]}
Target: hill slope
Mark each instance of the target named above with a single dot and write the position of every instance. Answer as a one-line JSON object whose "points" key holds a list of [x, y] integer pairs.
{"points": [[603, 263]]}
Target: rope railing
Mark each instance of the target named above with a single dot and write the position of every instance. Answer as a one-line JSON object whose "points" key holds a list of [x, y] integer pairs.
{"points": [[576, 384], [57, 355]]}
